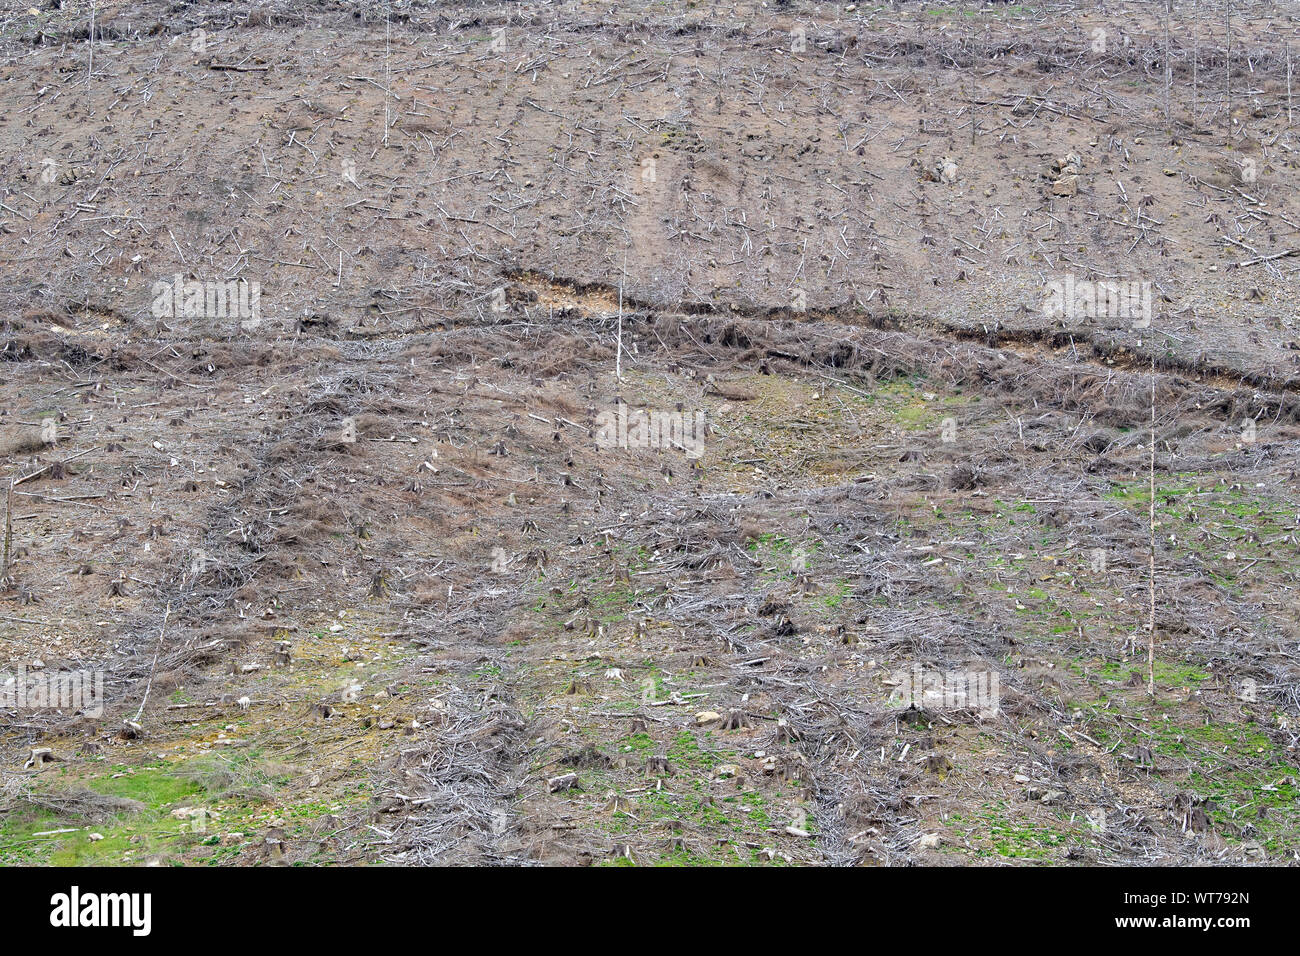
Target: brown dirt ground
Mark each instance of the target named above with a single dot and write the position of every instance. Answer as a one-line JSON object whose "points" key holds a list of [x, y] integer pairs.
{"points": [[918, 467]]}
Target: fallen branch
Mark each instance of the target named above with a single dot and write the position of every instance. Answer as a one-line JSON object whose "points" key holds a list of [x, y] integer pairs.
{"points": [[1277, 255]]}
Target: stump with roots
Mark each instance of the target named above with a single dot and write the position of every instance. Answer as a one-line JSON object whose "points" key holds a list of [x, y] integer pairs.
{"points": [[736, 720], [40, 756], [937, 763], [657, 766], [565, 781], [785, 734]]}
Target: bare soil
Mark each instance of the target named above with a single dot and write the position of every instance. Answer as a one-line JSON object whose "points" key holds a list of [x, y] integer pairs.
{"points": [[365, 586]]}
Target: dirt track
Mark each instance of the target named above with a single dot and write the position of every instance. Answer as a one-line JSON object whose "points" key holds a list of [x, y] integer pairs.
{"points": [[827, 232]]}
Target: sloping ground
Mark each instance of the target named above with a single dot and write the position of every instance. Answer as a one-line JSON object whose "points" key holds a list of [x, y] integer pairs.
{"points": [[369, 585]]}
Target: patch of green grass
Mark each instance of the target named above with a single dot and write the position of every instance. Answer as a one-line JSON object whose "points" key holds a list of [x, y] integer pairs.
{"points": [[613, 605], [1168, 674], [1017, 839], [841, 589], [684, 858], [788, 558], [686, 752], [127, 837], [637, 742], [155, 787]]}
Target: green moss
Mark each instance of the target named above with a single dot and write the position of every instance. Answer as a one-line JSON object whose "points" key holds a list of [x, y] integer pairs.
{"points": [[637, 742], [151, 831], [1019, 839], [153, 786]]}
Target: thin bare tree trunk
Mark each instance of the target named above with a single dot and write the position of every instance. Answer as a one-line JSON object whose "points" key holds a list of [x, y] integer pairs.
{"points": [[9, 531], [618, 356], [1169, 69], [1195, 55], [1227, 66], [1151, 538]]}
